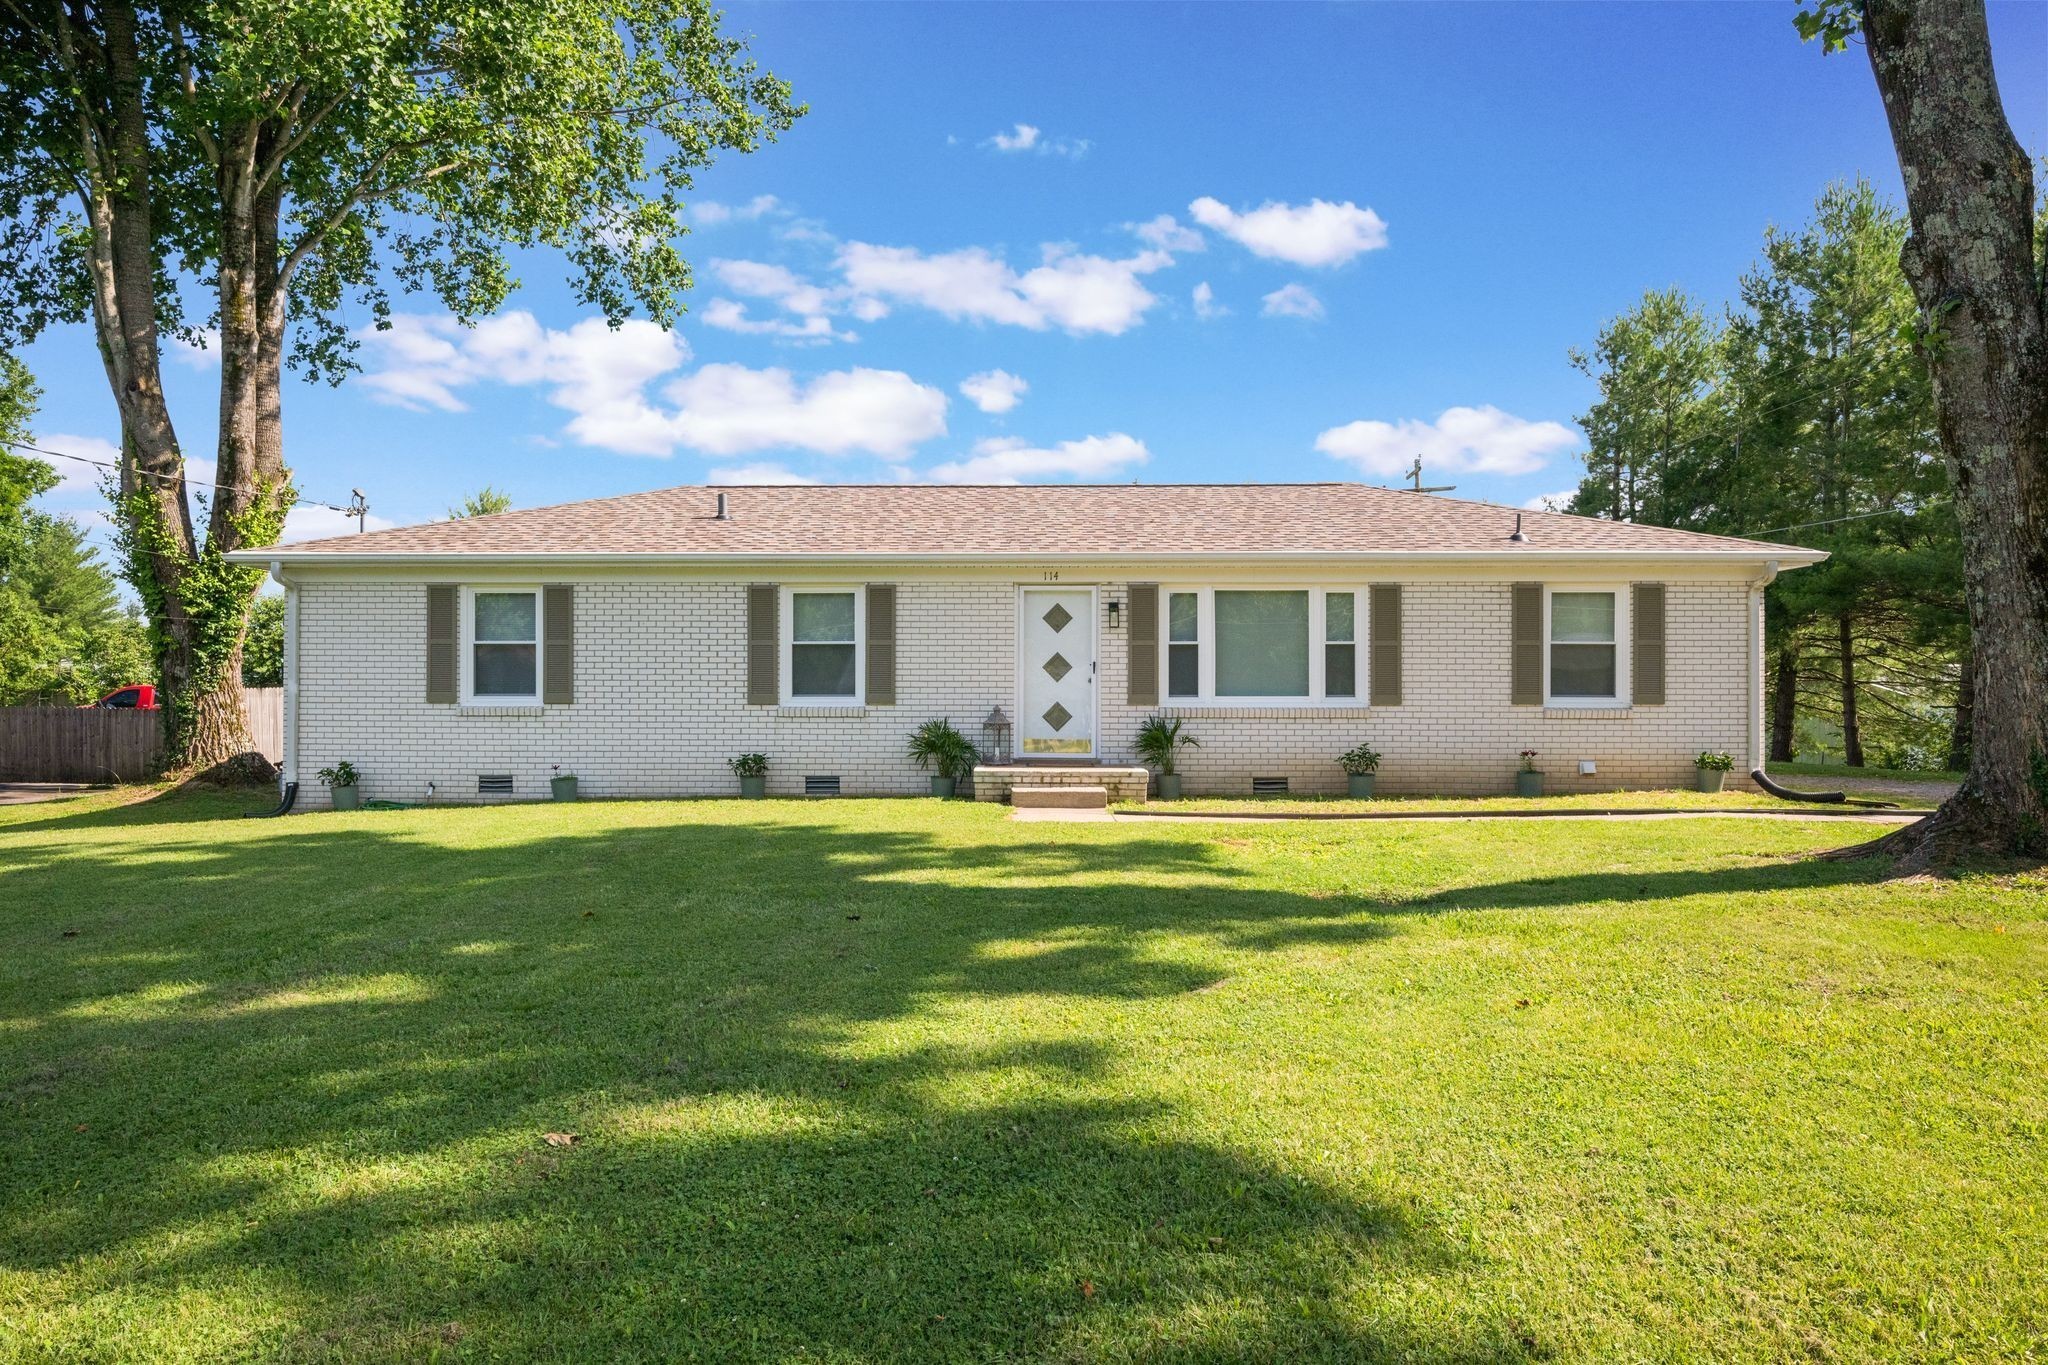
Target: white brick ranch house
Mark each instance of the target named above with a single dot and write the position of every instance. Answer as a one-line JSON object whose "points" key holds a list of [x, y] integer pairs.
{"points": [[641, 641]]}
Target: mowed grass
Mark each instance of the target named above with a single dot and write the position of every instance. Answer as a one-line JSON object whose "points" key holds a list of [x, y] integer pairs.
{"points": [[1656, 799], [877, 1081]]}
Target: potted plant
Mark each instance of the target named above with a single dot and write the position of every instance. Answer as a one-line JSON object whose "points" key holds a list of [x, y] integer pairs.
{"points": [[752, 771], [1711, 769], [562, 784], [1159, 739], [949, 755], [1528, 782], [341, 785], [1361, 767]]}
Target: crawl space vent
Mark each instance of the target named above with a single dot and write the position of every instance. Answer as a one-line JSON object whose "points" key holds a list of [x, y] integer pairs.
{"points": [[821, 786], [493, 784], [1269, 786]]}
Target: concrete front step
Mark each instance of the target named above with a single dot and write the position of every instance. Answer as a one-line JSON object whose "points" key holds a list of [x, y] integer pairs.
{"points": [[1059, 798], [996, 782]]}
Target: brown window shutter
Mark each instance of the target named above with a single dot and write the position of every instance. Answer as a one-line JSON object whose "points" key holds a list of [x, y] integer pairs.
{"points": [[1525, 634], [1386, 644], [558, 644], [443, 633], [881, 644], [764, 644], [1646, 648], [1141, 682]]}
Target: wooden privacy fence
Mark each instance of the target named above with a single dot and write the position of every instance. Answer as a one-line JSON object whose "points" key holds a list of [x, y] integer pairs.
{"points": [[74, 744]]}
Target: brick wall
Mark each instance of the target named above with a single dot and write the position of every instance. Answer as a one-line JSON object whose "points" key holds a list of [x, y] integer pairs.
{"points": [[660, 688]]}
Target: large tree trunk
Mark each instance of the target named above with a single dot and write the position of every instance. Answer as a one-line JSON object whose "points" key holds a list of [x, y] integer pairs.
{"points": [[1958, 756], [1970, 260], [1852, 725], [1785, 704]]}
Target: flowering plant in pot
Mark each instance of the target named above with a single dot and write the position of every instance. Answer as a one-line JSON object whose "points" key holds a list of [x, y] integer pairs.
{"points": [[1159, 739], [1528, 781], [1711, 769], [562, 784], [949, 754], [341, 782], [1361, 766], [752, 771]]}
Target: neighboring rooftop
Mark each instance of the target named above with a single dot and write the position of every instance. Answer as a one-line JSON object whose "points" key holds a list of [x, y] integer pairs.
{"points": [[1025, 520]]}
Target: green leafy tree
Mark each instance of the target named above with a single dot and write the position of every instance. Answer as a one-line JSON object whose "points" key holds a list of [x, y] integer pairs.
{"points": [[293, 163], [1657, 367], [485, 502], [263, 651]]}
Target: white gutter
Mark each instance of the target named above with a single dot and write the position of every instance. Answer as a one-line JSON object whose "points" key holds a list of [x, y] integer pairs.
{"points": [[288, 770], [429, 558]]}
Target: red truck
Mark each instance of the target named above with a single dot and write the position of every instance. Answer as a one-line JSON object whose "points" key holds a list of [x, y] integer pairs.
{"points": [[134, 697]]}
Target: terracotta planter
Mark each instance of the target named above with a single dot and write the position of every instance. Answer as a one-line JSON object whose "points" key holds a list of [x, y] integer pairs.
{"points": [[943, 786], [1708, 779], [1360, 784], [346, 798], [1528, 784], [753, 788], [1169, 786], [564, 788]]}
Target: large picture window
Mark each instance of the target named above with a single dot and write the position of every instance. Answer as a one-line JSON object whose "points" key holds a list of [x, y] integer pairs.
{"points": [[824, 645], [1585, 647], [1261, 645], [504, 646]]}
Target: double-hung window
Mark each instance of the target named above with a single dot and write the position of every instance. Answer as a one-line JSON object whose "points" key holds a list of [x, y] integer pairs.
{"points": [[1261, 646], [501, 661], [1586, 652], [822, 640]]}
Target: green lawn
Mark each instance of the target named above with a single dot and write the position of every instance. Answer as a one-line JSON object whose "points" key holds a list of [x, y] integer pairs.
{"points": [[1659, 799], [906, 1080], [1844, 770]]}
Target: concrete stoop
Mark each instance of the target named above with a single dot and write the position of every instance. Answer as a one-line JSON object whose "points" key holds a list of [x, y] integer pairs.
{"points": [[1060, 798]]}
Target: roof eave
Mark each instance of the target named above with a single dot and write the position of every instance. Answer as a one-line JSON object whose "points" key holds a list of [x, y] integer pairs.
{"points": [[1786, 556]]}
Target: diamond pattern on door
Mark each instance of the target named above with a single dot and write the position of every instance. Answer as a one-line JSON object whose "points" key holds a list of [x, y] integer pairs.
{"points": [[1057, 716], [1058, 666], [1057, 618]]}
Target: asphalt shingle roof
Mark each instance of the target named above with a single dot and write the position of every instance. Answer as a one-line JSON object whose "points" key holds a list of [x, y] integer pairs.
{"points": [[1040, 519]]}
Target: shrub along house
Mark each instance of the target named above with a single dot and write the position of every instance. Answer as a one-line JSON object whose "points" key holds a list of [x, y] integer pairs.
{"points": [[641, 641]]}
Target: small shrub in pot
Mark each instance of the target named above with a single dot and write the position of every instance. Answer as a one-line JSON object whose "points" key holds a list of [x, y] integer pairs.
{"points": [[341, 782], [752, 771], [1361, 769], [1528, 781], [1159, 740], [948, 754], [1711, 769], [562, 785]]}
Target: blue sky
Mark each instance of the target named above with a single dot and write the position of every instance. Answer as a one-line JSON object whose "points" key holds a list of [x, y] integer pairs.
{"points": [[1116, 242]]}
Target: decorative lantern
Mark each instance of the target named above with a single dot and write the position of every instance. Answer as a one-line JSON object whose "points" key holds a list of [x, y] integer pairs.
{"points": [[998, 727]]}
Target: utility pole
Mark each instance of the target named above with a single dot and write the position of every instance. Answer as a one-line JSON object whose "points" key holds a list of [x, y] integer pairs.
{"points": [[358, 509]]}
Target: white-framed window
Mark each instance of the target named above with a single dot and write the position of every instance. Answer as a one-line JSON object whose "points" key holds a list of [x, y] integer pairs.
{"points": [[824, 634], [1262, 646], [1585, 645], [501, 645]]}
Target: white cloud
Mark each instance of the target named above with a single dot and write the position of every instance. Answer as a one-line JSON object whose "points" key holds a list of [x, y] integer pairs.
{"points": [[1076, 292], [1008, 459], [203, 355], [729, 315], [78, 484], [756, 474], [1318, 233], [812, 304], [732, 410], [1026, 137], [1292, 301], [1165, 233], [1483, 439], [1206, 306], [711, 213], [994, 390], [600, 376], [1552, 502]]}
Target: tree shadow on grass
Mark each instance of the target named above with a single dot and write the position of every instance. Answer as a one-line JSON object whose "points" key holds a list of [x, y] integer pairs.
{"points": [[319, 1059]]}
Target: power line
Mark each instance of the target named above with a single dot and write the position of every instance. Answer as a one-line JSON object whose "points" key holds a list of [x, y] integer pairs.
{"points": [[1836, 521], [152, 474]]}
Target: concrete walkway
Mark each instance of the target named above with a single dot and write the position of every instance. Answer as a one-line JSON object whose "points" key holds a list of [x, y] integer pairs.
{"points": [[21, 793], [1863, 817]]}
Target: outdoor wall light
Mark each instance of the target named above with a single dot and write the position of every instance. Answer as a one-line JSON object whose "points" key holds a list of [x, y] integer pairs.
{"points": [[1115, 613]]}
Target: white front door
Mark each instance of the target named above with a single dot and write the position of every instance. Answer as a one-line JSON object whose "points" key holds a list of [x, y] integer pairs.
{"points": [[1056, 663]]}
